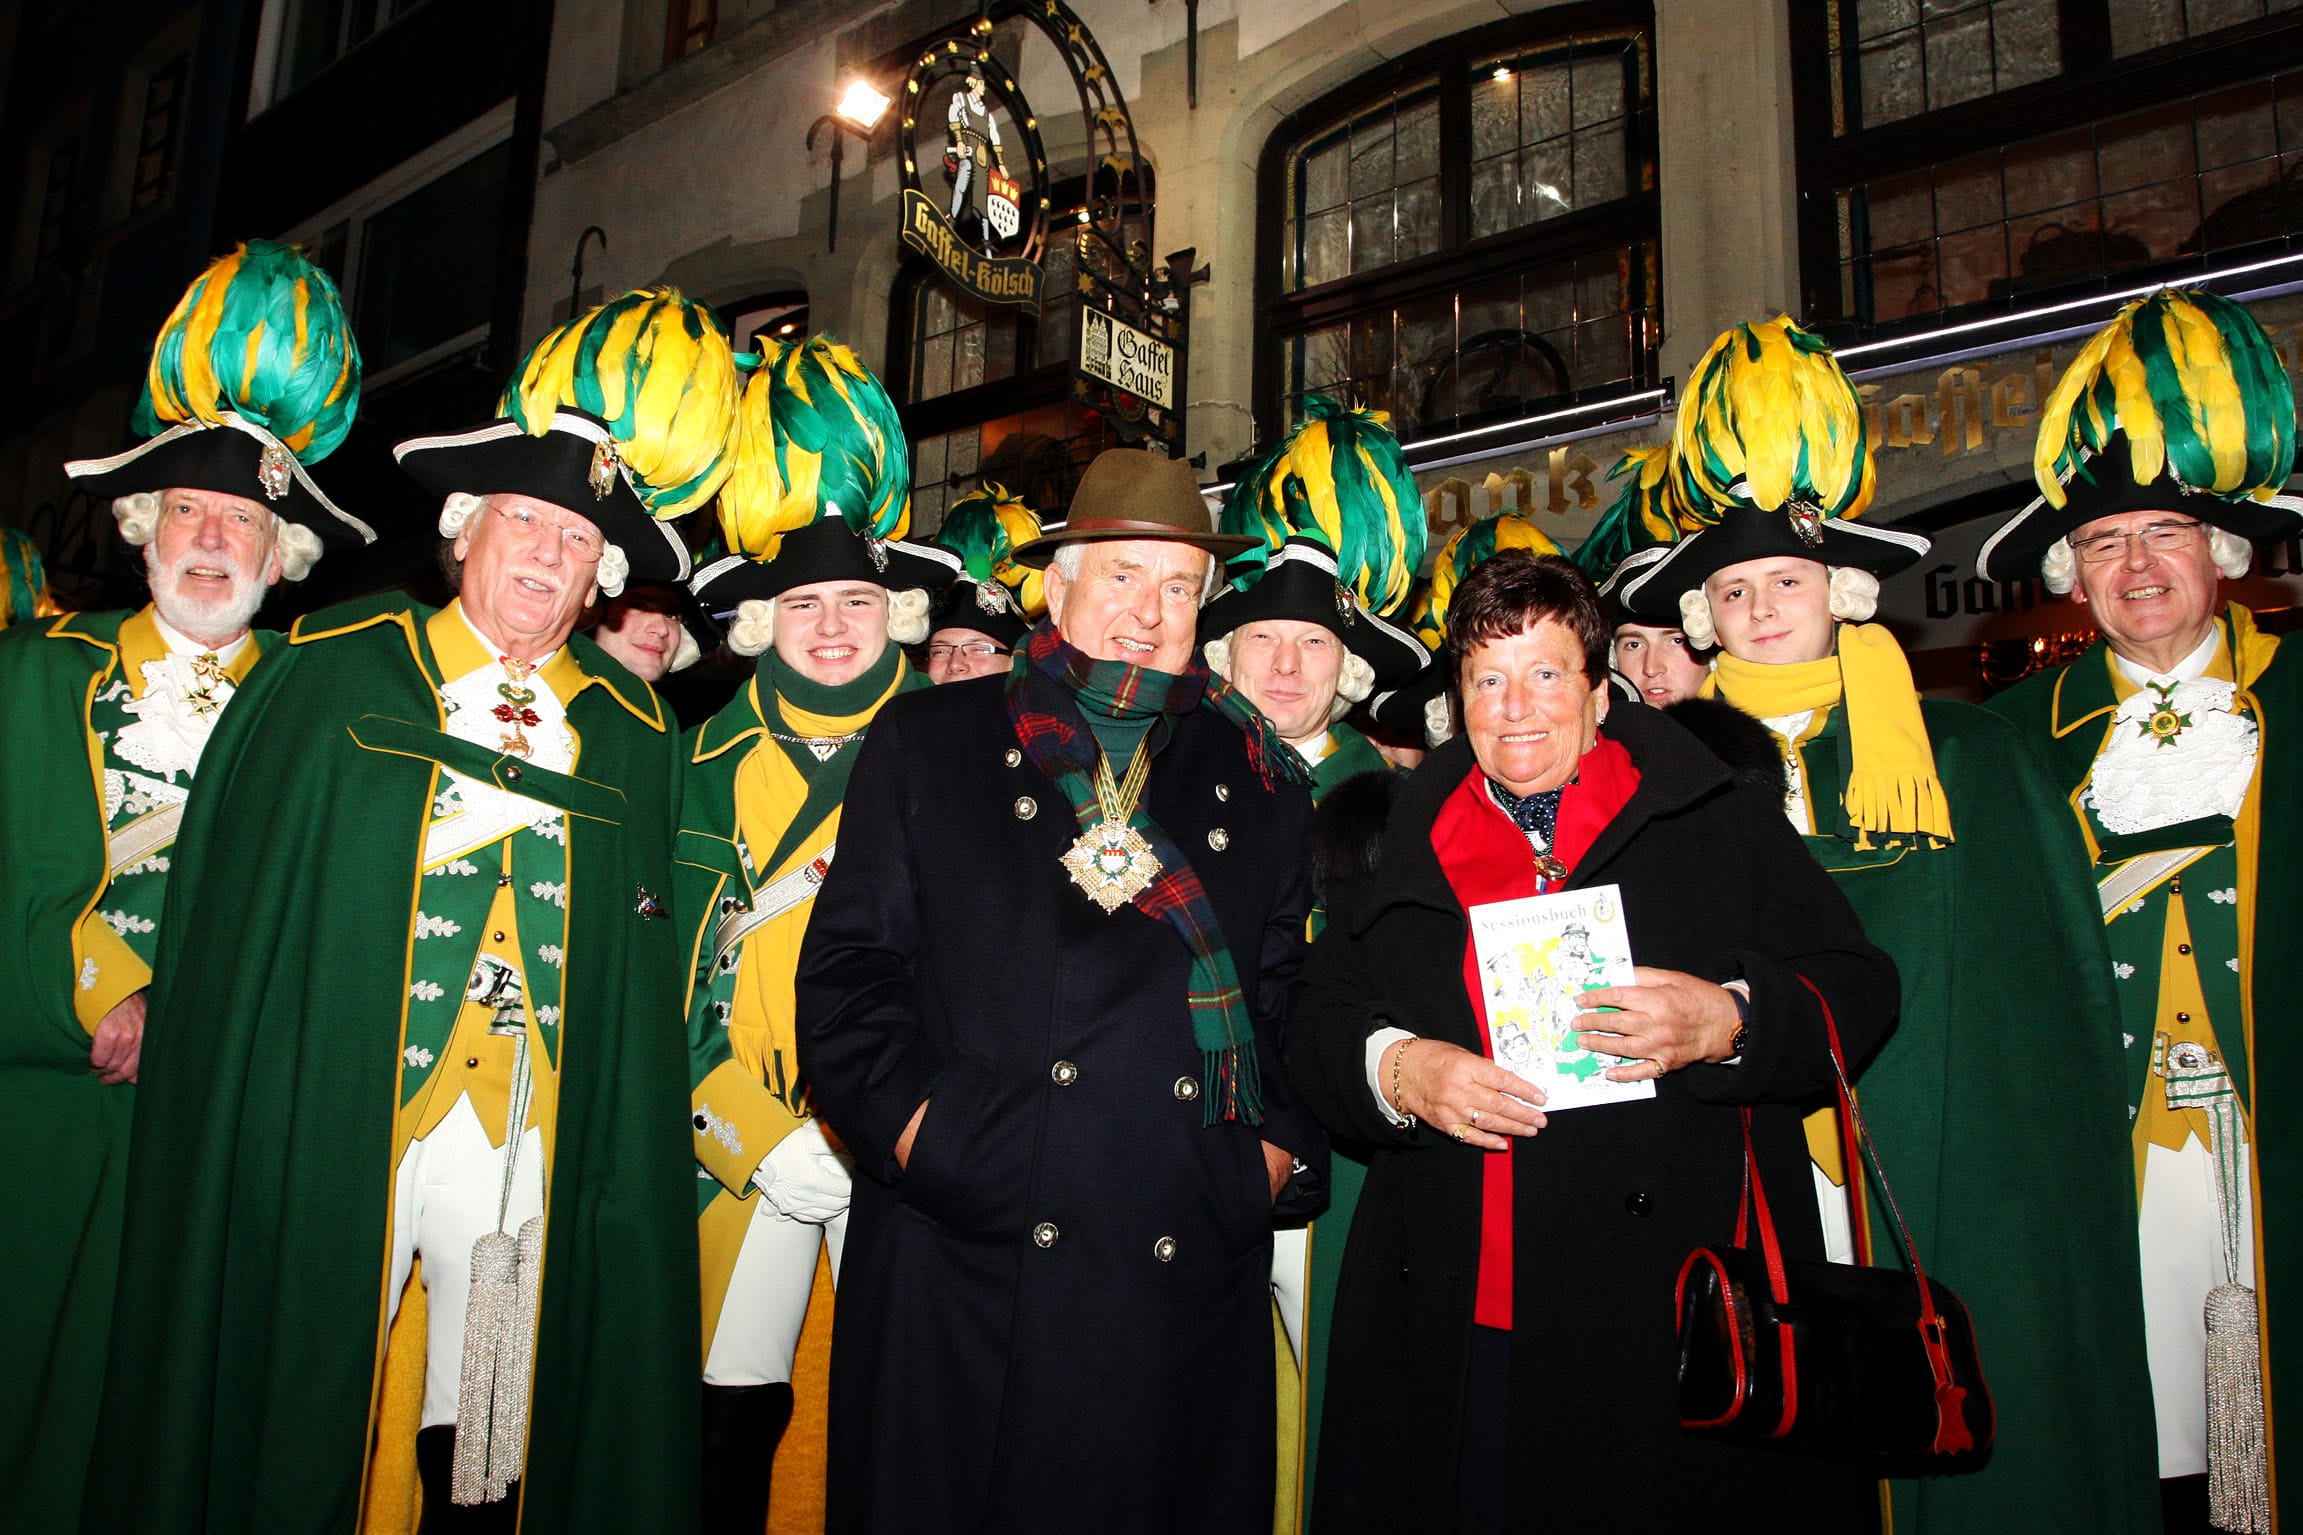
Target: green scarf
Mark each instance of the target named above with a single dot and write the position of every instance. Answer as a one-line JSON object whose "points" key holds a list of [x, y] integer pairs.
{"points": [[827, 779]]}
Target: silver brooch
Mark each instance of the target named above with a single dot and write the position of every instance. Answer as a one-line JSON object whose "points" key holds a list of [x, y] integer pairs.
{"points": [[274, 471], [602, 477], [877, 548], [1345, 609]]}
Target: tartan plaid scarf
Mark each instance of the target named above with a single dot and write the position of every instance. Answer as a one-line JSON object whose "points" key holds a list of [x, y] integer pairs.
{"points": [[1049, 684]]}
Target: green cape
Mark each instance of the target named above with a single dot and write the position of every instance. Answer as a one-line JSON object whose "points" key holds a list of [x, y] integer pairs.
{"points": [[244, 1363], [2059, 712], [66, 1132], [1999, 1116]]}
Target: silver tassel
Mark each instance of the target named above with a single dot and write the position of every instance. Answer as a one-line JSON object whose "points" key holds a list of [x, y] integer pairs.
{"points": [[2238, 1469], [491, 1341]]}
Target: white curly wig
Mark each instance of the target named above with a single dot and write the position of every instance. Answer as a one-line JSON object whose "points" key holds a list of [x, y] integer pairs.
{"points": [[1854, 599], [908, 615], [1352, 684], [457, 512], [139, 518], [2233, 557], [754, 628]]}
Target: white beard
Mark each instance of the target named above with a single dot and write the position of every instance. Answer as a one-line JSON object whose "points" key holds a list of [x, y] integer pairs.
{"points": [[227, 615]]}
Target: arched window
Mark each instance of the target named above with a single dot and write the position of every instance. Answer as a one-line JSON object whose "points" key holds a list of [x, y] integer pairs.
{"points": [[1469, 235]]}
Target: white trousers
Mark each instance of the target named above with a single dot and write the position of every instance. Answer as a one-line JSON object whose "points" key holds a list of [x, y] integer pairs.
{"points": [[446, 1195], [2181, 1231], [1291, 1282], [767, 1300]]}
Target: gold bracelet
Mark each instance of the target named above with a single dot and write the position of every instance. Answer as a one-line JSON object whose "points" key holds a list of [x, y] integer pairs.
{"points": [[1398, 1061]]}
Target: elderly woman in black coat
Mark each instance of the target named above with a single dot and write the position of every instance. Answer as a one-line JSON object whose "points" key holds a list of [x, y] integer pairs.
{"points": [[1504, 1345]]}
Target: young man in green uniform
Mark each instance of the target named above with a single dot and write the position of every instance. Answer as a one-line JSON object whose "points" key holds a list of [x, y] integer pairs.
{"points": [[1994, 1104], [824, 591], [1300, 628], [2159, 457], [106, 719], [410, 1011]]}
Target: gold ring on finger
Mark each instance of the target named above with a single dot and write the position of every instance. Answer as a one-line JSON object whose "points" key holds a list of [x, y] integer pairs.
{"points": [[1458, 1131]]}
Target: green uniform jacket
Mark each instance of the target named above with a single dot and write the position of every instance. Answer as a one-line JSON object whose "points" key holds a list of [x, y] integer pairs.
{"points": [[1998, 1111], [65, 1132], [2061, 712], [246, 1346]]}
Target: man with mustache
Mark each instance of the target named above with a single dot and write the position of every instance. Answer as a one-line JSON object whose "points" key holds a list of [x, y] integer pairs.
{"points": [[107, 717], [1041, 1002], [2161, 456], [412, 1018]]}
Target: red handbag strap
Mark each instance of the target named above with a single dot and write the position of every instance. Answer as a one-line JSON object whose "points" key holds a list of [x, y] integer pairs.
{"points": [[1951, 1433]]}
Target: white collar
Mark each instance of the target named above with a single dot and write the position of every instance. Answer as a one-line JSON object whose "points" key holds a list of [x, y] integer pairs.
{"points": [[1316, 750], [494, 650], [182, 644], [2190, 668]]}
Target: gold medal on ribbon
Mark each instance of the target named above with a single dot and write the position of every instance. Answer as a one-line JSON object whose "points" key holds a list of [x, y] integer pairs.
{"points": [[1110, 861]]}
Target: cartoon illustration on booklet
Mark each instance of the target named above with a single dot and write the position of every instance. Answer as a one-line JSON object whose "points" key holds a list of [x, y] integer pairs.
{"points": [[1537, 956]]}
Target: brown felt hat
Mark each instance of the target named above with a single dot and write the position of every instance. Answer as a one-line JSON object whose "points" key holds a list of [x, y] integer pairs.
{"points": [[1128, 493]]}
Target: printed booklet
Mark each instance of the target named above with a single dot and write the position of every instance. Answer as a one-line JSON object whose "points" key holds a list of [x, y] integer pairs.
{"points": [[1537, 957]]}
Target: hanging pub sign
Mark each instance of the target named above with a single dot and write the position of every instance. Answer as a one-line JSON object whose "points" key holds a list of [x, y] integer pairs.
{"points": [[975, 198], [1126, 358]]}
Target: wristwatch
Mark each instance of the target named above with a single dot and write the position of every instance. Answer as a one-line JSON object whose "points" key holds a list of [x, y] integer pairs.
{"points": [[1742, 1038]]}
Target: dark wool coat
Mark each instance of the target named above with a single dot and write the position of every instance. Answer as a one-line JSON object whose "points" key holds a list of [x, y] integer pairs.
{"points": [[1058, 1317], [1608, 1200]]}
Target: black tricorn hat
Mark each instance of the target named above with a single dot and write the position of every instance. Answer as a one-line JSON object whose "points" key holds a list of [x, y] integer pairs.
{"points": [[825, 550], [1746, 532], [1300, 583], [2105, 488], [234, 459], [572, 464]]}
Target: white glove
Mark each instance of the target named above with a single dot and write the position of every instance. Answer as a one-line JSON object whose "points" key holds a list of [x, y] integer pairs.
{"points": [[804, 1178]]}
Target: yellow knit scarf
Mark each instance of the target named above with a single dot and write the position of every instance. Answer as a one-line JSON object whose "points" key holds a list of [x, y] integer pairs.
{"points": [[1892, 789]]}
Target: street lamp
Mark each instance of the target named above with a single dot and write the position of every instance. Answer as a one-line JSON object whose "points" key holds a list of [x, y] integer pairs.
{"points": [[861, 107]]}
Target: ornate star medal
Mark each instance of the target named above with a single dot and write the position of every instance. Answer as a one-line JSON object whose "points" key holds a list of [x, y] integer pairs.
{"points": [[204, 700], [1110, 861], [514, 711], [2165, 723]]}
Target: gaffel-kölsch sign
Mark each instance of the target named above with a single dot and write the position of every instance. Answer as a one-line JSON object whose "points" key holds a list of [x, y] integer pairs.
{"points": [[976, 201]]}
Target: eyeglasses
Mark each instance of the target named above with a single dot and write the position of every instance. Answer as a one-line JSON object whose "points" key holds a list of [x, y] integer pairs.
{"points": [[2158, 537], [581, 543], [973, 650]]}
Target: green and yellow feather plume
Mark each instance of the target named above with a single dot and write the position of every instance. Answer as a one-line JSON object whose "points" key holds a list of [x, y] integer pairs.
{"points": [[1646, 512], [1462, 554], [1341, 478], [816, 432], [261, 335], [1769, 408], [985, 528], [658, 369], [2195, 385]]}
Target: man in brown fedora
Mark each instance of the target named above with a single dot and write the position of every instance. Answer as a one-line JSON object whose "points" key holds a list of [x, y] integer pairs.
{"points": [[1041, 1002]]}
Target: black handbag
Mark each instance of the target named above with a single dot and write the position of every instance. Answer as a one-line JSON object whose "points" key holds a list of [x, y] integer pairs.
{"points": [[1870, 1363]]}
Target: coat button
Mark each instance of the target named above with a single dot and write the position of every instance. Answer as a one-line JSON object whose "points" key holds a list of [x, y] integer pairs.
{"points": [[2182, 1017], [1045, 1233], [1164, 1249], [1015, 758], [472, 1063], [1222, 792], [2183, 948], [2175, 887], [1187, 1088], [1219, 839], [1025, 808], [1065, 1073], [511, 772], [499, 937], [1637, 1204], [502, 880]]}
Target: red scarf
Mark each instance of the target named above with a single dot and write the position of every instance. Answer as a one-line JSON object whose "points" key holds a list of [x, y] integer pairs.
{"points": [[1486, 858]]}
